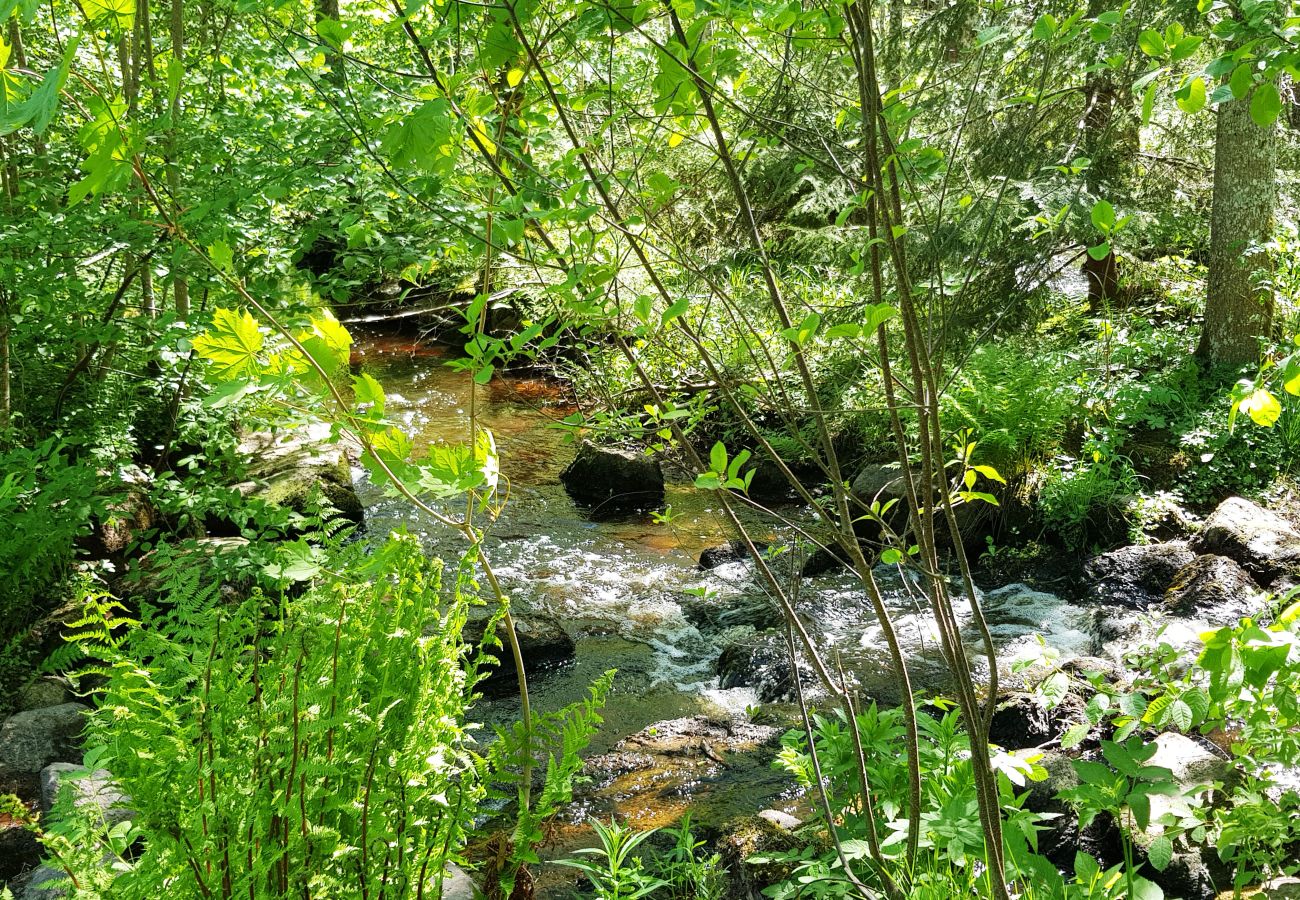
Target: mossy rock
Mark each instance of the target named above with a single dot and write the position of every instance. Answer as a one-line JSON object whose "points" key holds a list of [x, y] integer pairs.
{"points": [[298, 471], [754, 836], [300, 490]]}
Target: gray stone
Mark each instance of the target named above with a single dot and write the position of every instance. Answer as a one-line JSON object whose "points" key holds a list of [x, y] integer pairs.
{"points": [[1213, 589], [761, 661], [19, 850], [31, 740], [611, 480], [457, 885], [292, 471], [39, 693], [47, 883], [1021, 721], [1136, 577], [1261, 541], [90, 791], [1192, 762], [780, 819]]}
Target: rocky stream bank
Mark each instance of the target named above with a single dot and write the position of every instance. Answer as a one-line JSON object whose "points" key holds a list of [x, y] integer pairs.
{"points": [[703, 693]]}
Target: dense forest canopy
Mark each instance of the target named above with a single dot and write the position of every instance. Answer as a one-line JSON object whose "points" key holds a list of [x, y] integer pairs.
{"points": [[901, 396]]}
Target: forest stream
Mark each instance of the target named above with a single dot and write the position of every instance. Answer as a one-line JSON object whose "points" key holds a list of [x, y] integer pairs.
{"points": [[623, 589]]}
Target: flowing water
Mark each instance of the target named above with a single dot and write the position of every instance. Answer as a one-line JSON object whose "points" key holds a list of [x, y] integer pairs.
{"points": [[623, 589]]}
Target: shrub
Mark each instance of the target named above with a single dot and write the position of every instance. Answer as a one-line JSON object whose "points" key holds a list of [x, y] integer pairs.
{"points": [[46, 503], [291, 746]]}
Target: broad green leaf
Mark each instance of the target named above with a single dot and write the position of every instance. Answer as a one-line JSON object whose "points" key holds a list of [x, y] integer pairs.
{"points": [[367, 391], [1099, 251], [1265, 104], [1152, 43], [678, 308], [514, 76], [1146, 890], [328, 342], [1075, 734], [1193, 96], [803, 332], [891, 556], [1103, 216], [1148, 103], [122, 11], [878, 314], [1185, 48], [1262, 407], [232, 344], [843, 331], [718, 457], [1242, 78], [1161, 852], [222, 256]]}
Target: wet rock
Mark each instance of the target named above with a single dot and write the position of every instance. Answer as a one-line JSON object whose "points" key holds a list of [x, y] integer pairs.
{"points": [[48, 690], [19, 850], [1022, 721], [1263, 543], [698, 736], [1060, 838], [612, 480], [1213, 589], [296, 471], [713, 614], [90, 791], [543, 643], [1136, 577], [31, 740], [732, 551], [822, 561], [760, 661], [749, 837], [457, 885], [1194, 870], [881, 483]]}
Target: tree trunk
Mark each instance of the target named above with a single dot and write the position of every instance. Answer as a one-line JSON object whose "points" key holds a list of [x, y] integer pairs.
{"points": [[179, 282], [329, 9], [1239, 298]]}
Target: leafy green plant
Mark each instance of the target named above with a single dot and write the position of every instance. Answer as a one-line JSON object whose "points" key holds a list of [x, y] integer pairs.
{"points": [[951, 838], [313, 743], [614, 872], [689, 873], [1085, 499], [1123, 787]]}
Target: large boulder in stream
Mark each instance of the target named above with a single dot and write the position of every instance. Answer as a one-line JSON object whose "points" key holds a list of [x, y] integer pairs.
{"points": [[762, 661], [611, 480], [1261, 541], [543, 643], [1213, 589], [1136, 577]]}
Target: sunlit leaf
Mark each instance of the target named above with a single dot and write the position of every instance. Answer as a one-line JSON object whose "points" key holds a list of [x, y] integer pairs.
{"points": [[232, 344]]}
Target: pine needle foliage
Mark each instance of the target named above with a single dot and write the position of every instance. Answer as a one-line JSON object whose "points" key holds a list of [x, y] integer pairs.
{"points": [[301, 746]]}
